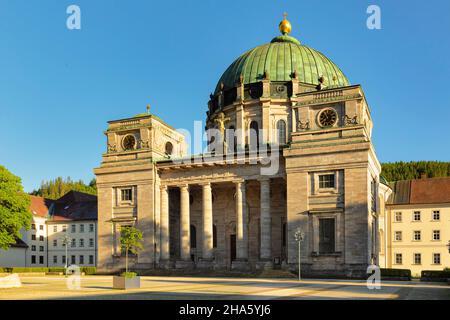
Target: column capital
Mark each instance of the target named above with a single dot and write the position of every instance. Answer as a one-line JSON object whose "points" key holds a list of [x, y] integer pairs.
{"points": [[205, 184], [163, 187], [264, 179], [239, 181], [183, 187]]}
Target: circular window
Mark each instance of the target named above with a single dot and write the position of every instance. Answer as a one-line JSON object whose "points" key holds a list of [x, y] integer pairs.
{"points": [[129, 142], [328, 118], [169, 148]]}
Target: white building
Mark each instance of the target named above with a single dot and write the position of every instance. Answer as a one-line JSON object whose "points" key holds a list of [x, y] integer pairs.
{"points": [[73, 216]]}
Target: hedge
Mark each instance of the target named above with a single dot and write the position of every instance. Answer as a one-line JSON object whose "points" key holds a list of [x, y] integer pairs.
{"points": [[396, 273], [86, 270], [435, 275]]}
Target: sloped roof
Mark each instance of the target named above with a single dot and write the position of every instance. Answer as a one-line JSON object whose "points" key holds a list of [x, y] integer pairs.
{"points": [[420, 191], [40, 206], [75, 205], [19, 244]]}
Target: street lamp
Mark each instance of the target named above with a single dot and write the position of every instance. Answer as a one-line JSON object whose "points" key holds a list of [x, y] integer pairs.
{"points": [[66, 241], [299, 235]]}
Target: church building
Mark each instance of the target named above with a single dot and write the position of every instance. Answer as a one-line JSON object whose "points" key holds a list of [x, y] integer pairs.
{"points": [[290, 156]]}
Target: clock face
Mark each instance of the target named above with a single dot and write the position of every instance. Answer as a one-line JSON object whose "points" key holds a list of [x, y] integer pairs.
{"points": [[129, 142], [328, 118]]}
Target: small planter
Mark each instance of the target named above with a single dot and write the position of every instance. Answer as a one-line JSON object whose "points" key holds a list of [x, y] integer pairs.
{"points": [[124, 283]]}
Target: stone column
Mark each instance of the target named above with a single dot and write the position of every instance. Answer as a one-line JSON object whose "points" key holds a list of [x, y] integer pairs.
{"points": [[185, 246], [241, 222], [265, 221], [164, 224], [207, 243]]}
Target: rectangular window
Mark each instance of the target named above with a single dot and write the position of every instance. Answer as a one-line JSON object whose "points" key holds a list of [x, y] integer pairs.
{"points": [[436, 215], [41, 227], [33, 259], [436, 258], [326, 181], [64, 259], [33, 226], [81, 259], [398, 258], [126, 194], [91, 243], [55, 259], [398, 236], [398, 217], [74, 243], [91, 227], [55, 243], [73, 228], [33, 237], [436, 235], [41, 238], [41, 248], [81, 228], [91, 259], [41, 259], [417, 258], [417, 236], [373, 193], [81, 243], [416, 216], [64, 229], [72, 260], [55, 228], [326, 235], [33, 248]]}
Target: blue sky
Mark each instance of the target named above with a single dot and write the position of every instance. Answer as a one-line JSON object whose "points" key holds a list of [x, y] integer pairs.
{"points": [[58, 87]]}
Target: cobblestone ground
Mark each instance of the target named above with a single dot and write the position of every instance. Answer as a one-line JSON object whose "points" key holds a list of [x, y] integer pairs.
{"points": [[195, 288]]}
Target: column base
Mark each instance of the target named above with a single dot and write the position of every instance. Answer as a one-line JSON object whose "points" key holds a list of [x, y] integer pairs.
{"points": [[264, 265], [184, 264], [166, 264], [240, 265], [206, 264]]}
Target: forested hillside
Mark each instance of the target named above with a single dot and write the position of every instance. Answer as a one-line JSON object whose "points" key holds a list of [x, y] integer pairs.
{"points": [[414, 170], [58, 187]]}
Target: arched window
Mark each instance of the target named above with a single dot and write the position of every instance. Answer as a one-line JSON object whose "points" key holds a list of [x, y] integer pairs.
{"points": [[254, 136], [193, 237], [281, 131], [214, 236]]}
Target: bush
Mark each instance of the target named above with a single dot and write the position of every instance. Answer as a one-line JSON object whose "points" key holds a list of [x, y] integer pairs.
{"points": [[396, 273], [435, 275], [128, 275], [89, 270]]}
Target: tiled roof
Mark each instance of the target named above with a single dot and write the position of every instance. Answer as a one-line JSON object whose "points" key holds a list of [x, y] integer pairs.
{"points": [[75, 205], [40, 206], [19, 244], [421, 191]]}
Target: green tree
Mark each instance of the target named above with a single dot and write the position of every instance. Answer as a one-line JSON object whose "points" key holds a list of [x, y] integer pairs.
{"points": [[14, 208], [130, 241], [415, 170]]}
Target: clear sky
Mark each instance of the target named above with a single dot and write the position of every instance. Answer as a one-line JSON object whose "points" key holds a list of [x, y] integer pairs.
{"points": [[59, 87]]}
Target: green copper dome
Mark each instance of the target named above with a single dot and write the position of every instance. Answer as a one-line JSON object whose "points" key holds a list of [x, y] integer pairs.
{"points": [[280, 58]]}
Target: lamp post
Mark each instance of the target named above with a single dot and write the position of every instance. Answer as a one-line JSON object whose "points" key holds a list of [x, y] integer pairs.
{"points": [[299, 235], [66, 241]]}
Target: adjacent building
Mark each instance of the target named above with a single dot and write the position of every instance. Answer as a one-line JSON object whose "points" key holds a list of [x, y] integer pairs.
{"points": [[72, 217], [418, 218]]}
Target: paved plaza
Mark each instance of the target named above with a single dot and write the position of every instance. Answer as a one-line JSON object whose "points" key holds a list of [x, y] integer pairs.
{"points": [[195, 288]]}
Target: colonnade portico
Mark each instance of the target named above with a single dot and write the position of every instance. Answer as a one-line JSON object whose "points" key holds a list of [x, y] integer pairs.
{"points": [[206, 254]]}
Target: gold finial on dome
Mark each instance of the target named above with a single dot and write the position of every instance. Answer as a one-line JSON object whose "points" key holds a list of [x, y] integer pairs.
{"points": [[285, 26]]}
